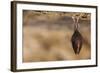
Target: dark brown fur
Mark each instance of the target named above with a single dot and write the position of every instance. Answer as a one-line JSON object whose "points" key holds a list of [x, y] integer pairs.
{"points": [[76, 41]]}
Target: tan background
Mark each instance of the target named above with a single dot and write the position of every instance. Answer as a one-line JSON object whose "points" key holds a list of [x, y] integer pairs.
{"points": [[47, 36]]}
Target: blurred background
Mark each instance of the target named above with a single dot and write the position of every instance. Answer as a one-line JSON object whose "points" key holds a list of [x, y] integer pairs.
{"points": [[47, 36]]}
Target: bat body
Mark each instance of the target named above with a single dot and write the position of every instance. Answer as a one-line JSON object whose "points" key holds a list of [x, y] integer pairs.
{"points": [[76, 41]]}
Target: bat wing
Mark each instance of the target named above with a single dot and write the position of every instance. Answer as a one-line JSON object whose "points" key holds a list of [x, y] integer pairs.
{"points": [[76, 42]]}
